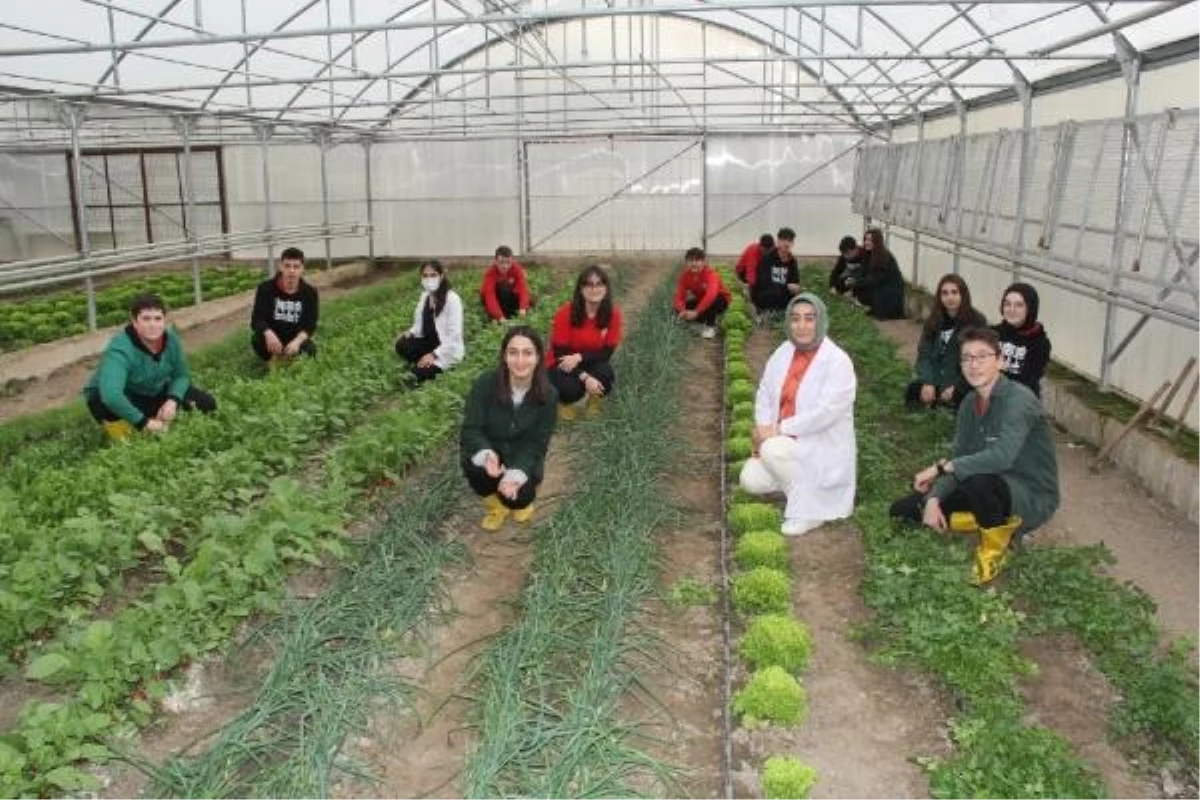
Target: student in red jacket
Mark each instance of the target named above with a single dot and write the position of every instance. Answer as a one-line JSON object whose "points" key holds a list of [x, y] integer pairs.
{"points": [[747, 263], [585, 332], [504, 291], [700, 295]]}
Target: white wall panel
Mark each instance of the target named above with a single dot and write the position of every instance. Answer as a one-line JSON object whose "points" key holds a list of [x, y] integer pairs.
{"points": [[744, 172]]}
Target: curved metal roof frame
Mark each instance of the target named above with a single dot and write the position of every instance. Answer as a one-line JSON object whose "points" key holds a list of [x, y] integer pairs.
{"points": [[857, 72]]}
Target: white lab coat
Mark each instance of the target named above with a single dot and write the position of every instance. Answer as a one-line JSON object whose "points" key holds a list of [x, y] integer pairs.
{"points": [[449, 325], [814, 460]]}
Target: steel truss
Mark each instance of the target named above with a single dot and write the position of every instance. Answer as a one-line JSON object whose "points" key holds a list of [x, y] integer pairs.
{"points": [[1097, 208]]}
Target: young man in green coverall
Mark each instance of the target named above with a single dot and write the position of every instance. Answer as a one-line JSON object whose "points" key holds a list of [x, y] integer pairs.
{"points": [[1003, 477], [143, 380]]}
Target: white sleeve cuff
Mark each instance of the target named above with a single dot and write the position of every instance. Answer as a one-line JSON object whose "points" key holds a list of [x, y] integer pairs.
{"points": [[516, 476], [480, 458]]}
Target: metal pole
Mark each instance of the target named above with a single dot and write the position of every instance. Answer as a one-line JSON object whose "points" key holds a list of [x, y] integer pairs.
{"points": [[1130, 69], [1025, 94], [916, 243], [72, 116], [704, 191], [263, 131], [960, 165], [324, 142], [366, 145], [185, 125]]}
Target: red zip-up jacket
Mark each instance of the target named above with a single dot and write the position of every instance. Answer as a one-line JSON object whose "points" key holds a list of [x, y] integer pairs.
{"points": [[704, 285], [747, 263], [589, 340], [515, 278]]}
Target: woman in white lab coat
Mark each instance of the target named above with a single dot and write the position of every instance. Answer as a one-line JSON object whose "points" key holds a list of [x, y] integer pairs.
{"points": [[804, 423]]}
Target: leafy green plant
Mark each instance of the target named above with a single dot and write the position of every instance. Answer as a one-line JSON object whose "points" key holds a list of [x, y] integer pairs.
{"points": [[755, 516], [776, 640], [692, 592], [738, 447], [762, 590], [787, 777], [771, 696], [740, 391], [762, 549]]}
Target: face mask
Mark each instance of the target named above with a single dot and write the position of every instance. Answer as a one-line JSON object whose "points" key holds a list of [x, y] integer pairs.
{"points": [[430, 284]]}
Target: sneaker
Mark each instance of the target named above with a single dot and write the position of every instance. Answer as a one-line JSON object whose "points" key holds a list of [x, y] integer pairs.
{"points": [[799, 527], [708, 332]]}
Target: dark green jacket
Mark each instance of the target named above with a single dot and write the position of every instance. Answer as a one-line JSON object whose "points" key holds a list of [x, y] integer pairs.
{"points": [[1012, 440], [520, 435], [129, 368], [937, 361]]}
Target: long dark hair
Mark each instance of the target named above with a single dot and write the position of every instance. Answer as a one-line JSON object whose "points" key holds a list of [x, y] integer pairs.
{"points": [[539, 389], [880, 255], [967, 315], [579, 307], [438, 296]]}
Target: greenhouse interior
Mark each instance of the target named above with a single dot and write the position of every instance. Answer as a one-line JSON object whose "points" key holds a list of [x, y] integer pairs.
{"points": [[1001, 141]]}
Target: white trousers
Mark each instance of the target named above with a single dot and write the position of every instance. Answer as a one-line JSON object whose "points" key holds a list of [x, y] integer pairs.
{"points": [[777, 468]]}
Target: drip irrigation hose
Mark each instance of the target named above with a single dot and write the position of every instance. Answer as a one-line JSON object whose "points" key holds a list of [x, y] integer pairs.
{"points": [[726, 606]]}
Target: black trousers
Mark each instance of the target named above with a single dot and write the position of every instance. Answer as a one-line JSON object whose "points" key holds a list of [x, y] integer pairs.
{"points": [[194, 399], [485, 485], [912, 396], [412, 349], [570, 387], [709, 317], [771, 298], [258, 340], [510, 304], [986, 496]]}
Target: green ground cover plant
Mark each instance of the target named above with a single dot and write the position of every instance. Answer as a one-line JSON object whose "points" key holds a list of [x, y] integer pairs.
{"points": [[551, 690], [118, 667], [787, 777], [772, 696], [45, 318], [927, 614]]}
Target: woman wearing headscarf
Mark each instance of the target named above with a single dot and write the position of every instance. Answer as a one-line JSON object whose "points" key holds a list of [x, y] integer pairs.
{"points": [[939, 379], [804, 422], [1024, 345]]}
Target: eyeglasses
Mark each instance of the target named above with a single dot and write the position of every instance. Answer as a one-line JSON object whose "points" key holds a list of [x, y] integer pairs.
{"points": [[593, 283], [975, 358]]}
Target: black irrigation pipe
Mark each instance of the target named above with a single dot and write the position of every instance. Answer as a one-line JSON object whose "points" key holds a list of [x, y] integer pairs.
{"points": [[726, 604]]}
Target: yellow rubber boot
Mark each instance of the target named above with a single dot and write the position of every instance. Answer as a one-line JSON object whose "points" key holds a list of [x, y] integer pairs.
{"points": [[523, 514], [992, 550], [963, 522], [118, 430], [567, 411], [595, 404], [497, 512]]}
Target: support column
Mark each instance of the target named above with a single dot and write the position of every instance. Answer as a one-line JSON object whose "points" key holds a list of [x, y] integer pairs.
{"points": [[324, 140], [72, 116], [704, 191], [917, 199], [1024, 174], [1131, 71], [960, 163], [263, 131], [366, 143], [186, 126]]}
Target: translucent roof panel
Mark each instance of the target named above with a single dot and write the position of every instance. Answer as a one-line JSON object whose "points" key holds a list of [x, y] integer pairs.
{"points": [[455, 67]]}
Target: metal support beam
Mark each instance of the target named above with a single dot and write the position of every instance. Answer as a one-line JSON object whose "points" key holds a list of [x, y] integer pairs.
{"points": [[185, 125], [960, 158], [1024, 171], [72, 116], [1131, 71], [324, 140], [366, 143], [263, 131], [704, 192]]}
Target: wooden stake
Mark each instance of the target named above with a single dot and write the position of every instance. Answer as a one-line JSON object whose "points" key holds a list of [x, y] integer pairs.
{"points": [[1187, 405], [1144, 409], [1161, 412]]}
